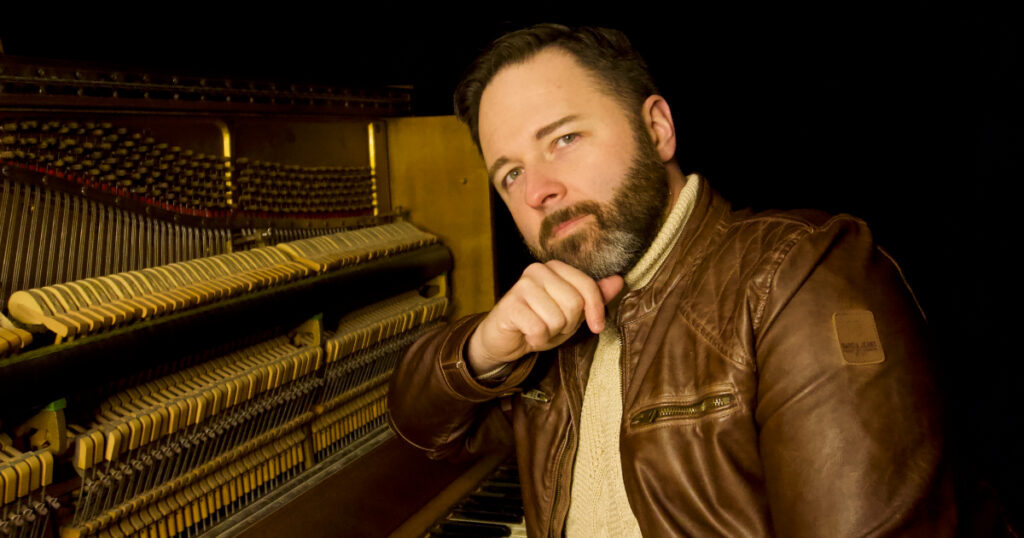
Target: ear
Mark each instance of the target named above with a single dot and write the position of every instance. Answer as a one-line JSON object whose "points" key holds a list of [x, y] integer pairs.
{"points": [[657, 118]]}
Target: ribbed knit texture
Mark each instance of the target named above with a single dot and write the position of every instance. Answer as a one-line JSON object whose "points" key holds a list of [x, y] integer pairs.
{"points": [[599, 506]]}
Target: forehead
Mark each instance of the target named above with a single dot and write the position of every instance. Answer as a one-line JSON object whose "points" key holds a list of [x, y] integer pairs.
{"points": [[524, 97]]}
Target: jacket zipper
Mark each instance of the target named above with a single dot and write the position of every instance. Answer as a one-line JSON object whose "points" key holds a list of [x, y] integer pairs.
{"points": [[558, 482], [622, 372], [701, 408], [569, 441]]}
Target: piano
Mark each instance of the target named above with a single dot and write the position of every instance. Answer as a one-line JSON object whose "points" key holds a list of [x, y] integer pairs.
{"points": [[493, 508], [205, 285]]}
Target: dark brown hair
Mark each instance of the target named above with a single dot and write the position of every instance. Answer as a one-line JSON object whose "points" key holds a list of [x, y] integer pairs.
{"points": [[604, 52]]}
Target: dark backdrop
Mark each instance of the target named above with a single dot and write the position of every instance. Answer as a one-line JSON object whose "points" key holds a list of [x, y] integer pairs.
{"points": [[903, 116]]}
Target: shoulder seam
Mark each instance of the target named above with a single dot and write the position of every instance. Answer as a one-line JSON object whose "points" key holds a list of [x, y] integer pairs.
{"points": [[903, 278], [782, 253], [806, 230]]}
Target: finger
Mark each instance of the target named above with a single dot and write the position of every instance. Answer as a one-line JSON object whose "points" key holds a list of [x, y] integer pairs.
{"points": [[535, 330], [529, 317], [553, 299], [507, 333], [565, 293], [610, 287], [593, 301]]}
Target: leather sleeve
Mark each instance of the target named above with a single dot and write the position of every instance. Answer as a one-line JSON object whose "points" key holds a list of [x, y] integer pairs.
{"points": [[847, 407], [435, 403]]}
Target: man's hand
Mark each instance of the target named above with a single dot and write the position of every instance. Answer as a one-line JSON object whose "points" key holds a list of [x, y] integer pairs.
{"points": [[542, 310]]}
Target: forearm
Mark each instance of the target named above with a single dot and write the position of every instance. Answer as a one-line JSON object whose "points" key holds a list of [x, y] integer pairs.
{"points": [[435, 402]]}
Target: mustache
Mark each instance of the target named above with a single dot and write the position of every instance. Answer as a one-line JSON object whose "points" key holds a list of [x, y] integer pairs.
{"points": [[550, 222]]}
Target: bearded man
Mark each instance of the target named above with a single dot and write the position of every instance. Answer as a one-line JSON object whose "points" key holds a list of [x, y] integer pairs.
{"points": [[739, 374]]}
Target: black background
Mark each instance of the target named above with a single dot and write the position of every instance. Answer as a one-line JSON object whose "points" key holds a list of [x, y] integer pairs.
{"points": [[907, 117]]}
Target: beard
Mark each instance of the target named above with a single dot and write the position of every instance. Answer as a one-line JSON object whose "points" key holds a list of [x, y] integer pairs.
{"points": [[624, 227]]}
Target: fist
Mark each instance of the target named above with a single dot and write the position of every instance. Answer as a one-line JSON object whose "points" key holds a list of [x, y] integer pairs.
{"points": [[543, 309]]}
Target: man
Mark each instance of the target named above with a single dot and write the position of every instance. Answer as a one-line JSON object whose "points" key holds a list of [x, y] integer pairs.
{"points": [[737, 375]]}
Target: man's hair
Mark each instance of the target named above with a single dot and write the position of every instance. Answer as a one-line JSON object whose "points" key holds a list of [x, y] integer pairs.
{"points": [[606, 53]]}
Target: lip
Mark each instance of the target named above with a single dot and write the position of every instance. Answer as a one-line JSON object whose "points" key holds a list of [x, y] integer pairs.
{"points": [[566, 227]]}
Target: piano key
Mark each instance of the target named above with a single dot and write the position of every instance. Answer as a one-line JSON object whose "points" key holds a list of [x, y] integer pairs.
{"points": [[494, 506]]}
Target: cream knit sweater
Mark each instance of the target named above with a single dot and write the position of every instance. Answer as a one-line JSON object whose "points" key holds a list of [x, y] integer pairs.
{"points": [[599, 506]]}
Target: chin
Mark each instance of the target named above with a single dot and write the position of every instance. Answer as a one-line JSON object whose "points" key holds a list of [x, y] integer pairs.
{"points": [[614, 253]]}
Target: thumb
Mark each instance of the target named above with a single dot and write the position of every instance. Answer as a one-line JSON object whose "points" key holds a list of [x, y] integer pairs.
{"points": [[610, 287]]}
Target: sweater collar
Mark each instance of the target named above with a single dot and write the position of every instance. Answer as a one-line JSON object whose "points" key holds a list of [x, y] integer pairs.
{"points": [[668, 235]]}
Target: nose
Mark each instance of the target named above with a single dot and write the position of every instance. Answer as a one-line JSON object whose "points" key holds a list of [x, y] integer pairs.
{"points": [[543, 189]]}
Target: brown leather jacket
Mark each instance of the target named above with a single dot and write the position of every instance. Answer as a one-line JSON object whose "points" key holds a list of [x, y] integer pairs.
{"points": [[775, 381]]}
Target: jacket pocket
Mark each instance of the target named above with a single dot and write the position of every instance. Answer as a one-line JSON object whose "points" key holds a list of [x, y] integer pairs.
{"points": [[707, 405]]}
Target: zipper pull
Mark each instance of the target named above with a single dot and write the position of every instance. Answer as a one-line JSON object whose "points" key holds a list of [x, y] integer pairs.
{"points": [[645, 417], [536, 394]]}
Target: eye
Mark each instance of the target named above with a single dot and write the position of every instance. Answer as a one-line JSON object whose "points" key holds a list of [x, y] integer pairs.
{"points": [[511, 177], [565, 140]]}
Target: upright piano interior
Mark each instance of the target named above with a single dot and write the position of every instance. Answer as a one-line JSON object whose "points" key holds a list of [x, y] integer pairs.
{"points": [[205, 285]]}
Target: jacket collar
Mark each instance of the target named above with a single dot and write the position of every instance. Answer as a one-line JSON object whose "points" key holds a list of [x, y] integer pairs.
{"points": [[702, 226]]}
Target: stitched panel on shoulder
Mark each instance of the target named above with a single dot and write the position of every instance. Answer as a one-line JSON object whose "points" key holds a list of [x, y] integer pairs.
{"points": [[728, 286]]}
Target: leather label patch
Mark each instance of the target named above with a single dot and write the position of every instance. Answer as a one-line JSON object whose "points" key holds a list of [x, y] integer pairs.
{"points": [[858, 337]]}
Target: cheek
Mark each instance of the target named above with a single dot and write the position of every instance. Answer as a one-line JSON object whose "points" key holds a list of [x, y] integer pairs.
{"points": [[593, 175]]}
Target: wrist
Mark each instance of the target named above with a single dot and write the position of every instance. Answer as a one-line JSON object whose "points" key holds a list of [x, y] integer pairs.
{"points": [[477, 360]]}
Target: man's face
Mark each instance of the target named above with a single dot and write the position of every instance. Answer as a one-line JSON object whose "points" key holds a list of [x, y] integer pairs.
{"points": [[579, 174]]}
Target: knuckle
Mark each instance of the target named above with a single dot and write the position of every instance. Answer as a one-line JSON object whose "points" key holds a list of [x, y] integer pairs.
{"points": [[534, 269], [534, 343], [523, 287], [574, 303], [535, 331], [549, 320]]}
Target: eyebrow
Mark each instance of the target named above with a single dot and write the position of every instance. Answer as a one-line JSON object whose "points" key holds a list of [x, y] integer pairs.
{"points": [[541, 133], [547, 129], [494, 168]]}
